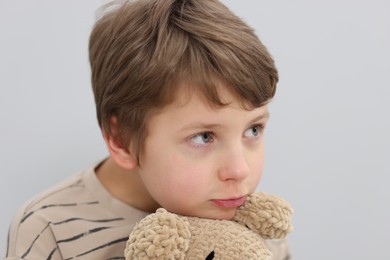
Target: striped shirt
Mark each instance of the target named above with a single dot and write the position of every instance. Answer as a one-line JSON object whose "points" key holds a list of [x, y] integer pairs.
{"points": [[79, 219]]}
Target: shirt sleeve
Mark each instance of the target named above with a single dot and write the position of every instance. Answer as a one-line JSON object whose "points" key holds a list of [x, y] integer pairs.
{"points": [[31, 237], [280, 248]]}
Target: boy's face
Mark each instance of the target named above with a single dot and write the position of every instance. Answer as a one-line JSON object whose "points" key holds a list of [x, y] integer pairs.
{"points": [[203, 162]]}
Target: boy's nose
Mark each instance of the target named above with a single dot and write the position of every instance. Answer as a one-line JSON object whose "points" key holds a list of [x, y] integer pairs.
{"points": [[234, 167]]}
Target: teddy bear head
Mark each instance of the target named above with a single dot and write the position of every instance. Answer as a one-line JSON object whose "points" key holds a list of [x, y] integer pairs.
{"points": [[164, 235]]}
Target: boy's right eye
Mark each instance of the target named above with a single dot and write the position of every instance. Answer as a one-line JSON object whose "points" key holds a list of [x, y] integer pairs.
{"points": [[201, 139]]}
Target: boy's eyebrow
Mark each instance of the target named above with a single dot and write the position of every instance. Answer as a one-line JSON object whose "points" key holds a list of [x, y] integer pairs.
{"points": [[266, 115], [201, 125]]}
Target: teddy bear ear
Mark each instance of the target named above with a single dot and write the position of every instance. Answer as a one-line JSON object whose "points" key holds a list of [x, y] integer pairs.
{"points": [[158, 236], [268, 215]]}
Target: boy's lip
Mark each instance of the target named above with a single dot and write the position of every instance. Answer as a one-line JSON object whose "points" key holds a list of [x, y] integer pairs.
{"points": [[229, 203]]}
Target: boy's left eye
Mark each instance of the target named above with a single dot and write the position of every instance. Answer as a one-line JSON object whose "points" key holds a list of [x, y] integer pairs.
{"points": [[253, 131], [202, 138]]}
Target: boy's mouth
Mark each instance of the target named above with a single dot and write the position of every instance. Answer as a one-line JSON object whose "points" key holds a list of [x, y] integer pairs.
{"points": [[229, 203]]}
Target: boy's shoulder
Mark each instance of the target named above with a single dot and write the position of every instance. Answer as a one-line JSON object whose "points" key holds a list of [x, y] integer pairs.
{"points": [[55, 194], [63, 194]]}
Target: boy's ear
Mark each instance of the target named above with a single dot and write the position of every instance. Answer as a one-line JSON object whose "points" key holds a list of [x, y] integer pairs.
{"points": [[121, 154]]}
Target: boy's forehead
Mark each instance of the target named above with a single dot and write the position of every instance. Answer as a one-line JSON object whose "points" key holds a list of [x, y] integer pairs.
{"points": [[192, 93]]}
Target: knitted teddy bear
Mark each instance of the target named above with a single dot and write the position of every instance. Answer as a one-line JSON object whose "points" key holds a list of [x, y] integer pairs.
{"points": [[164, 235]]}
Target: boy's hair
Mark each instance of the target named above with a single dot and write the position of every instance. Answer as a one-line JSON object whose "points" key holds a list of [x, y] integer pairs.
{"points": [[143, 51]]}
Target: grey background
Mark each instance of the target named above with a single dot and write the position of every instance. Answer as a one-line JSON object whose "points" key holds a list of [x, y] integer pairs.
{"points": [[327, 141]]}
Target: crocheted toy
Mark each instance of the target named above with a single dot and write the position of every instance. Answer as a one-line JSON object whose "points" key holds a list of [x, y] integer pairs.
{"points": [[164, 235]]}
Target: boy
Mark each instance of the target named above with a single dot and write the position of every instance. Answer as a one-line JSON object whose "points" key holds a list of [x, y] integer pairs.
{"points": [[181, 91]]}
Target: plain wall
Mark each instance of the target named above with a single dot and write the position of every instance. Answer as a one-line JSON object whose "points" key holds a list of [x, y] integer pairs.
{"points": [[327, 141]]}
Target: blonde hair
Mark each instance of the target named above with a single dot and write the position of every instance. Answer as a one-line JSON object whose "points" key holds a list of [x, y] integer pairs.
{"points": [[142, 50]]}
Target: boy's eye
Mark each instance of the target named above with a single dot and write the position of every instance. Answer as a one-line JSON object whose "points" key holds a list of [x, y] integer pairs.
{"points": [[202, 138], [252, 131]]}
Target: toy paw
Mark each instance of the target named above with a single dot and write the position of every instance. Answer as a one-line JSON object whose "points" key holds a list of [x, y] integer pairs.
{"points": [[162, 235], [268, 215]]}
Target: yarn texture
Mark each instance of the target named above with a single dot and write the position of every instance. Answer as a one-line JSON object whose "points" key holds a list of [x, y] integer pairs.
{"points": [[164, 235]]}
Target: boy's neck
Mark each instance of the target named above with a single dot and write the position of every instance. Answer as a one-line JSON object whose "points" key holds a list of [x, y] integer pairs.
{"points": [[125, 186]]}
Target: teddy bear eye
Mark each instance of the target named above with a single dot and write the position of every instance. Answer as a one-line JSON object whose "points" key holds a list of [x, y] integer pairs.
{"points": [[210, 256]]}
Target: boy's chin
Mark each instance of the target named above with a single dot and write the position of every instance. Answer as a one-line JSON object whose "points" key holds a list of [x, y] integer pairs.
{"points": [[220, 214]]}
